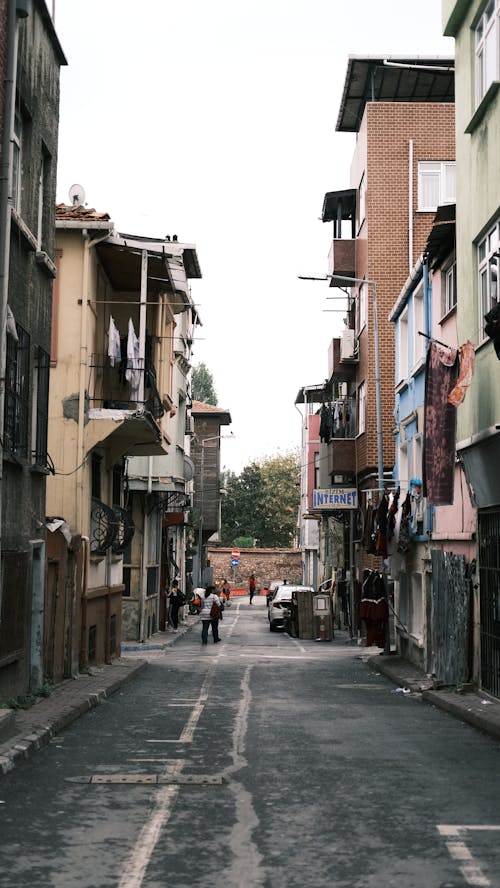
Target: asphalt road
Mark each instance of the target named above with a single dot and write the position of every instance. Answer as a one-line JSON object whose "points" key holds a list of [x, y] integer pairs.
{"points": [[261, 761]]}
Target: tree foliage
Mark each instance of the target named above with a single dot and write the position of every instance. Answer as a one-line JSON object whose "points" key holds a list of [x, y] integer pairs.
{"points": [[202, 385], [262, 502]]}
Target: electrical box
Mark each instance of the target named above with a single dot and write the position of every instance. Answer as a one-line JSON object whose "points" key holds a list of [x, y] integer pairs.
{"points": [[348, 346]]}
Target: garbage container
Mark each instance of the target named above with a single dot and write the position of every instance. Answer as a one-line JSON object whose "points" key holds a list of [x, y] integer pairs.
{"points": [[322, 613]]}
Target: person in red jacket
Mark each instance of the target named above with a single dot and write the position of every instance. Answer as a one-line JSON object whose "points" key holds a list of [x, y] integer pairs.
{"points": [[251, 586]]}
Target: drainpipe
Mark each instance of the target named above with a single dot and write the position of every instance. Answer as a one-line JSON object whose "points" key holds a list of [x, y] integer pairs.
{"points": [[410, 204], [16, 10]]}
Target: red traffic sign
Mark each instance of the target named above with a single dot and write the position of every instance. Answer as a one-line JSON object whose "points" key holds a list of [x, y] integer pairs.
{"points": [[235, 553]]}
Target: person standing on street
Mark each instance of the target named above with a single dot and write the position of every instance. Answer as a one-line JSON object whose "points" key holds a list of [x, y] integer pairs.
{"points": [[177, 600], [251, 587], [211, 613]]}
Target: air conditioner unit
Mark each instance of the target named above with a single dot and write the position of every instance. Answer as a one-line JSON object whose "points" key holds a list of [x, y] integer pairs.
{"points": [[348, 346]]}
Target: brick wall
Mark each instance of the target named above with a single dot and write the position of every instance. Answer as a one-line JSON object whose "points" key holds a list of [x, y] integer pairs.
{"points": [[266, 564], [383, 151]]}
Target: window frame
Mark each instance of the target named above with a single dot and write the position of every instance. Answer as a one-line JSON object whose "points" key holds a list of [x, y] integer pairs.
{"points": [[17, 159], [446, 190], [17, 393], [418, 324], [487, 49], [450, 274], [362, 200], [403, 357], [487, 249], [361, 399], [40, 407], [362, 306]]}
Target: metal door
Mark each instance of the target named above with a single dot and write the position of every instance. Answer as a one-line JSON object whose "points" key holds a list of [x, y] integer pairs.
{"points": [[450, 618], [488, 526]]}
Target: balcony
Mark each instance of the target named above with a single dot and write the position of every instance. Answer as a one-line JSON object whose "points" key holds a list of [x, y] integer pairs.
{"points": [[340, 369], [342, 262], [341, 447]]}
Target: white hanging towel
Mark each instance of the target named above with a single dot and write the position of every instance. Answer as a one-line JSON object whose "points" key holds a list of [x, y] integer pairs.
{"points": [[114, 347], [133, 371]]}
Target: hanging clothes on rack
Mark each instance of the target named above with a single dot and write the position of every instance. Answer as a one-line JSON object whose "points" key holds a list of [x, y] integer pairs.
{"points": [[467, 353], [404, 527], [374, 609], [114, 343], [381, 542], [133, 371], [326, 424]]}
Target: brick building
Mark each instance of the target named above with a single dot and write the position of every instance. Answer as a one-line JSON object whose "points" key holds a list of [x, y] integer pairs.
{"points": [[402, 111]]}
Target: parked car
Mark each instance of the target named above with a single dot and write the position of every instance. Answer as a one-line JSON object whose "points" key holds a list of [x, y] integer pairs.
{"points": [[282, 603], [271, 590]]}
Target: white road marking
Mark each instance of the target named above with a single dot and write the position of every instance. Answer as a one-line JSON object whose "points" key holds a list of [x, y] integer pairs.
{"points": [[459, 851]]}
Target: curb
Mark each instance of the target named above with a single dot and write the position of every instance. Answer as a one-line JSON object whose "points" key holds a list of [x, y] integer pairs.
{"points": [[35, 735], [473, 707]]}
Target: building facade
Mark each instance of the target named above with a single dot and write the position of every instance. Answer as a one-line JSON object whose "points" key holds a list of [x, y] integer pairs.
{"points": [[30, 58], [475, 26]]}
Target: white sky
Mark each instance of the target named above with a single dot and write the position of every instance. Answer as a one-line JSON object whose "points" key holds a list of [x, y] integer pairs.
{"points": [[215, 120]]}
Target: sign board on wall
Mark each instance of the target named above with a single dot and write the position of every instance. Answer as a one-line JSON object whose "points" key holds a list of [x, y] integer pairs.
{"points": [[335, 498]]}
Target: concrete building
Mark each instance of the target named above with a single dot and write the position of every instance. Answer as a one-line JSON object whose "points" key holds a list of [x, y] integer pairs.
{"points": [[432, 557], [208, 421], [118, 340], [475, 25], [30, 61]]}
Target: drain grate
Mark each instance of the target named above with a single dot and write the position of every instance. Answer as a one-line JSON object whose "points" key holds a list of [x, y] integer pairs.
{"points": [[151, 779]]}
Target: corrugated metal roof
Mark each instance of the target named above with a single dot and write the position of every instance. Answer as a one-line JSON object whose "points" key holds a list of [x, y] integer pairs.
{"points": [[393, 79]]}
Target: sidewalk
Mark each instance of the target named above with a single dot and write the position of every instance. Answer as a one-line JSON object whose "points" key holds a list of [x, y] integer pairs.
{"points": [[471, 706], [24, 731]]}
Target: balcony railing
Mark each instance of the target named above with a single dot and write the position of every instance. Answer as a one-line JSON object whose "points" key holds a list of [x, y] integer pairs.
{"points": [[110, 388]]}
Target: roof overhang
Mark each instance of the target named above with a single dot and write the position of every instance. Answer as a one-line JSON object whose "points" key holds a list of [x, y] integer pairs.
{"points": [[312, 394], [393, 79], [124, 433], [441, 239], [339, 205]]}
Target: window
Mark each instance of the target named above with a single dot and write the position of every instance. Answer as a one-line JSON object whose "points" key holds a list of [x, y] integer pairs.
{"points": [[362, 296], [403, 474], [487, 48], [17, 382], [95, 469], [488, 256], [418, 325], [436, 184], [17, 138], [43, 199], [402, 328], [362, 200], [416, 457], [40, 408], [450, 288], [361, 407]]}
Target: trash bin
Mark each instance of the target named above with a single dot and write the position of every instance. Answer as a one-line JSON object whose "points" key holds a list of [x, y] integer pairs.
{"points": [[322, 613]]}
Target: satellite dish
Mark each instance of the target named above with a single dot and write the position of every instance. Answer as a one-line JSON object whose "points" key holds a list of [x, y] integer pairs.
{"points": [[77, 195]]}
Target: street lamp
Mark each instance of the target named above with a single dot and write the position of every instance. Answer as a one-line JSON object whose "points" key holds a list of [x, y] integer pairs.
{"points": [[378, 400], [200, 522]]}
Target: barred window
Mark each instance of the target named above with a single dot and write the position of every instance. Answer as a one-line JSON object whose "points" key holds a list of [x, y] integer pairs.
{"points": [[17, 371], [41, 407]]}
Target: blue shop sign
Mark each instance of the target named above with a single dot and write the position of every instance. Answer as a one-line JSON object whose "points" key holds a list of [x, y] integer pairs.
{"points": [[335, 498]]}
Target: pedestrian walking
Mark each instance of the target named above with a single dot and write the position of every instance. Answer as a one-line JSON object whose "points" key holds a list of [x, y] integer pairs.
{"points": [[251, 587], [224, 593], [177, 600], [211, 613]]}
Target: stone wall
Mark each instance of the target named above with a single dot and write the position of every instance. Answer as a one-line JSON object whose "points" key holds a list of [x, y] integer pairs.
{"points": [[266, 564]]}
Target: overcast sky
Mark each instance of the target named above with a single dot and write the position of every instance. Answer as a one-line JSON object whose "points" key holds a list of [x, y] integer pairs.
{"points": [[215, 120]]}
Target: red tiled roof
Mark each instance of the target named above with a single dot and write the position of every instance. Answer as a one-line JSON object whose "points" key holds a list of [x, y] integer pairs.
{"points": [[201, 407], [77, 214]]}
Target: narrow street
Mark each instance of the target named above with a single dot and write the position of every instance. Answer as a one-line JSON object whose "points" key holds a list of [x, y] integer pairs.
{"points": [[262, 761]]}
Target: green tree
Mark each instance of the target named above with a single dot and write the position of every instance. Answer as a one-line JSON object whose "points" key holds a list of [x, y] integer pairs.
{"points": [[262, 502], [202, 385]]}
